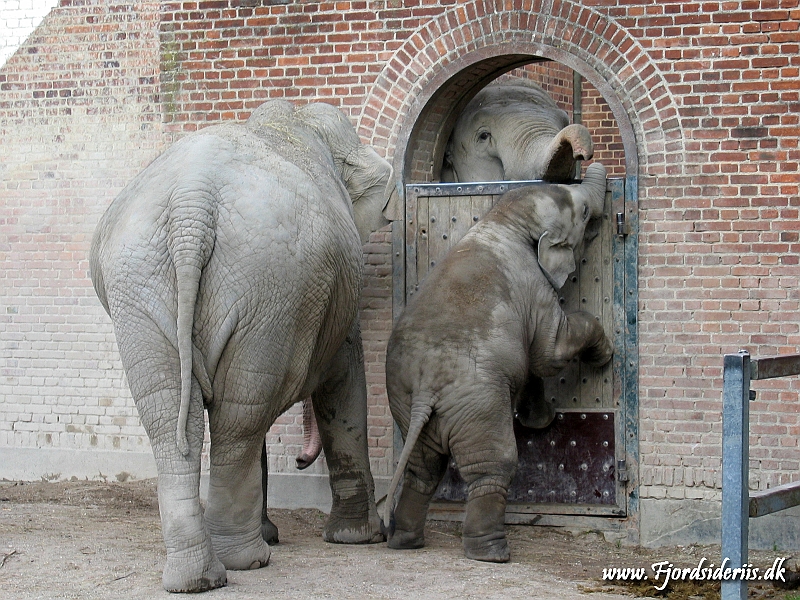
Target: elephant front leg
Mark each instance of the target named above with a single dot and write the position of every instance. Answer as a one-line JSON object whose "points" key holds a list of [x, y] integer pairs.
{"points": [[340, 404], [581, 334], [532, 408]]}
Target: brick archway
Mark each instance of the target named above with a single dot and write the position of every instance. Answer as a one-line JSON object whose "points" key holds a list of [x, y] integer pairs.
{"points": [[440, 67]]}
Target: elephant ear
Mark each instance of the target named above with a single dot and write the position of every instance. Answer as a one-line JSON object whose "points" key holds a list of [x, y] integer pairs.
{"points": [[448, 173], [556, 260], [393, 211], [369, 180]]}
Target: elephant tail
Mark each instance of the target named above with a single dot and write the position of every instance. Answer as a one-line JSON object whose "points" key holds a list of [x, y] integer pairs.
{"points": [[421, 411], [192, 224]]}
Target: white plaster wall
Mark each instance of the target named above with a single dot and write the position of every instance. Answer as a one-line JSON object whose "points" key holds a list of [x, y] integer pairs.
{"points": [[18, 19]]}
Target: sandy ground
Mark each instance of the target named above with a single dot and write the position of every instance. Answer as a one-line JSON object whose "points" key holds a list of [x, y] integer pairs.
{"points": [[101, 540]]}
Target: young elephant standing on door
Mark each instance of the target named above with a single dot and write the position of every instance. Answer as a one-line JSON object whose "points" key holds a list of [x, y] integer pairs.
{"points": [[485, 320]]}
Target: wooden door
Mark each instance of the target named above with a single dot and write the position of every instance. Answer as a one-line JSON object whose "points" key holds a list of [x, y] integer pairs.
{"points": [[577, 465]]}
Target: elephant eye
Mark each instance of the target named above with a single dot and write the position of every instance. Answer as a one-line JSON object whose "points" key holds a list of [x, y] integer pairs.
{"points": [[484, 135], [585, 211]]}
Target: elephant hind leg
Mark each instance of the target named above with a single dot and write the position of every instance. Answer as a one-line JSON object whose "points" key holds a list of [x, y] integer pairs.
{"points": [[483, 535], [235, 502], [486, 454], [423, 474], [192, 565], [151, 365]]}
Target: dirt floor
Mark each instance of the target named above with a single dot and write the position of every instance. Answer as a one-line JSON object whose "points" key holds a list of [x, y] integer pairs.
{"points": [[103, 540]]}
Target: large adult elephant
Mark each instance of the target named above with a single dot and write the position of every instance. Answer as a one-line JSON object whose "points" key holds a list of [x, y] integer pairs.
{"points": [[231, 268], [485, 321], [513, 130]]}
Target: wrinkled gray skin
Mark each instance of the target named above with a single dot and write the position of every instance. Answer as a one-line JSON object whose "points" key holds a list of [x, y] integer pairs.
{"points": [[514, 131], [231, 269], [486, 321]]}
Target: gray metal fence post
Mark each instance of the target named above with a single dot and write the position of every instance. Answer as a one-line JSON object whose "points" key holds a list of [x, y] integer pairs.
{"points": [[735, 464]]}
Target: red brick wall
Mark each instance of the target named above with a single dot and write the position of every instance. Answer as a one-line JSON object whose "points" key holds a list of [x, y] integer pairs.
{"points": [[709, 96], [598, 118], [555, 79], [718, 267], [222, 59]]}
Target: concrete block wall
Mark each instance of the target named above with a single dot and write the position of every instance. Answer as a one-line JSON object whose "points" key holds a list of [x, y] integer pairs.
{"points": [[711, 90]]}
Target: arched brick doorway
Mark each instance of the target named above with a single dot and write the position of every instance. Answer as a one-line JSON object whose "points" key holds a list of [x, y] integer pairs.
{"points": [[454, 55], [413, 104], [585, 462], [421, 140]]}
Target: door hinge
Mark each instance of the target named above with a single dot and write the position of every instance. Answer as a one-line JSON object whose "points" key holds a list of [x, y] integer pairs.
{"points": [[622, 471], [622, 226]]}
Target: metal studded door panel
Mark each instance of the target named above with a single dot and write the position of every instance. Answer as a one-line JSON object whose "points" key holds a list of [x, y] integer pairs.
{"points": [[554, 469], [576, 465], [437, 222], [590, 288]]}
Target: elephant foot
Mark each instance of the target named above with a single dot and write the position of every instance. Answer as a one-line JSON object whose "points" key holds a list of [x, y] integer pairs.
{"points": [[407, 525], [488, 548], [192, 564], [484, 535], [354, 519], [182, 575], [405, 540], [243, 557], [269, 533], [354, 531]]}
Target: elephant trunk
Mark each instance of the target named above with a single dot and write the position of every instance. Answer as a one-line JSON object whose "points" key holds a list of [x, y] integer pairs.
{"points": [[571, 144], [593, 188], [544, 153], [312, 442]]}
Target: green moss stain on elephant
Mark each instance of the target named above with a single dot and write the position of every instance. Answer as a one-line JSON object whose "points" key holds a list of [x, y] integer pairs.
{"points": [[231, 269], [484, 324], [512, 130]]}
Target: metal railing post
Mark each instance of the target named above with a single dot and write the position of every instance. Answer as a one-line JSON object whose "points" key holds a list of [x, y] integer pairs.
{"points": [[735, 465]]}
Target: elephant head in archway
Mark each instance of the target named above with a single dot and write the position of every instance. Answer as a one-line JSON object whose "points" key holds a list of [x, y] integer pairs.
{"points": [[513, 130]]}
